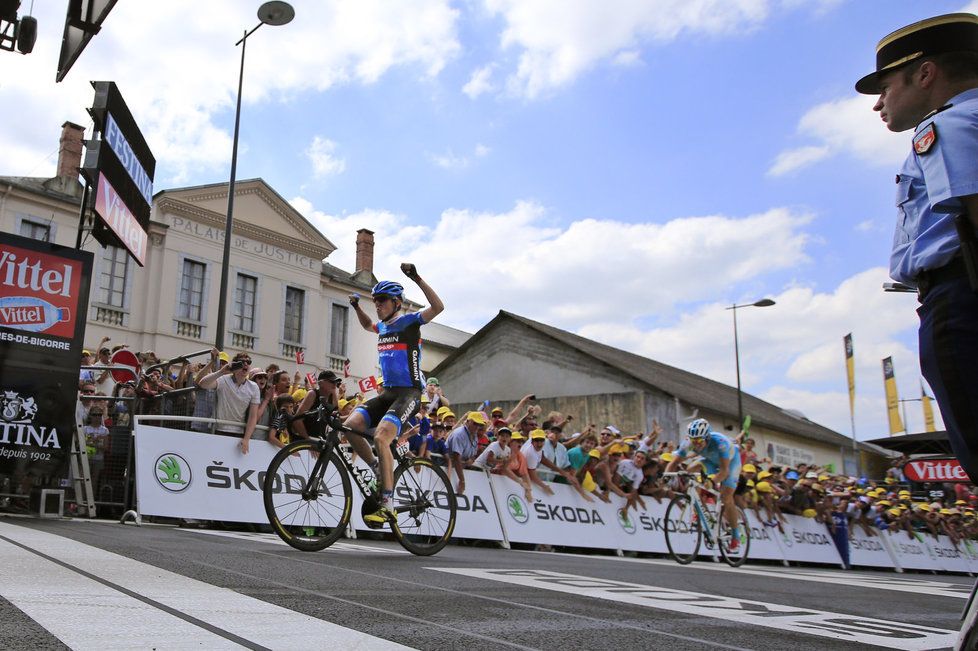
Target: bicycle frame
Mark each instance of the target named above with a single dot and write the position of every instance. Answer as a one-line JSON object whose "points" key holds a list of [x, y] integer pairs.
{"points": [[361, 476], [693, 489]]}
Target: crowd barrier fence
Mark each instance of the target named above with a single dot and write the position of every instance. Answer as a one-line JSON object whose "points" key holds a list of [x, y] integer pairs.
{"points": [[206, 477]]}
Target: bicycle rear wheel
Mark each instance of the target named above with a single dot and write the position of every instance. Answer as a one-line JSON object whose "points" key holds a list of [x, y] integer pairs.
{"points": [[425, 504], [683, 532], [307, 520], [736, 557]]}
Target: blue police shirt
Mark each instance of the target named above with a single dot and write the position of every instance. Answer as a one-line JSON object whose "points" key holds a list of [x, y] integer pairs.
{"points": [[929, 190], [717, 447]]}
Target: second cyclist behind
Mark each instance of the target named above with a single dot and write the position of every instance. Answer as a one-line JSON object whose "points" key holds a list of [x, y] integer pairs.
{"points": [[722, 459]]}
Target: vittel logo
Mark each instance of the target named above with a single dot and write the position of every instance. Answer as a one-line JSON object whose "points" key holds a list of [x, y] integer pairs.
{"points": [[22, 273]]}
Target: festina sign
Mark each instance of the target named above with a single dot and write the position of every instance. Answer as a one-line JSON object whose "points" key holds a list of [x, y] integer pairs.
{"points": [[945, 469], [121, 166]]}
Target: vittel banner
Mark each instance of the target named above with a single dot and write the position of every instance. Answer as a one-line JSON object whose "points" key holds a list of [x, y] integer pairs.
{"points": [[43, 303]]}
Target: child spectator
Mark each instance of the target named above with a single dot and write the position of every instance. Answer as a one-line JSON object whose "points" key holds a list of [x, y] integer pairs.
{"points": [[280, 431]]}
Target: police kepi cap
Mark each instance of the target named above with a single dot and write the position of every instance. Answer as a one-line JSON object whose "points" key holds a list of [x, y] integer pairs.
{"points": [[937, 35]]}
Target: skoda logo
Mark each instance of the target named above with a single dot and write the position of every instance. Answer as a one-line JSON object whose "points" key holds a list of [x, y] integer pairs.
{"points": [[173, 472], [626, 522], [517, 508]]}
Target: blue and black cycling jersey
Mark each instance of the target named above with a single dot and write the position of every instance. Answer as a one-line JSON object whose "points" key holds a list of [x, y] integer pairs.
{"points": [[399, 350]]}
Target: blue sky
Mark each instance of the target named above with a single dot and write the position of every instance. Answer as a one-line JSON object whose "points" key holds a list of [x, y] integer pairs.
{"points": [[620, 169]]}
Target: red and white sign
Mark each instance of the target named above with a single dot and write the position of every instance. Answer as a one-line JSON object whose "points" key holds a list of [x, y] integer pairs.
{"points": [[123, 357], [368, 384], [945, 469], [300, 357], [39, 292], [109, 206]]}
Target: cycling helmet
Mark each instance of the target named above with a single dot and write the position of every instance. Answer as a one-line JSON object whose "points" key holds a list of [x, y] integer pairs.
{"points": [[388, 288], [699, 429]]}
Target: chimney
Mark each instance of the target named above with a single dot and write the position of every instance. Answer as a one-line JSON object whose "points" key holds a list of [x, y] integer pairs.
{"points": [[70, 151], [365, 252]]}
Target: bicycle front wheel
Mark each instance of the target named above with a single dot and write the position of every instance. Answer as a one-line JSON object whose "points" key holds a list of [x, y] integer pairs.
{"points": [[425, 505], [735, 557], [683, 531], [308, 515]]}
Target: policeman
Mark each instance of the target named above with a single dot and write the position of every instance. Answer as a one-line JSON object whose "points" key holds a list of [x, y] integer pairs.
{"points": [[927, 78]]}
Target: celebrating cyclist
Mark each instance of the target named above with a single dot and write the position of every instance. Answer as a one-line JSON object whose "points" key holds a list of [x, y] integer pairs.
{"points": [[722, 459], [399, 349]]}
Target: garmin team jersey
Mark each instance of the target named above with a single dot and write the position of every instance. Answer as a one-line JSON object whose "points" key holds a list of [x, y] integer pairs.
{"points": [[399, 350]]}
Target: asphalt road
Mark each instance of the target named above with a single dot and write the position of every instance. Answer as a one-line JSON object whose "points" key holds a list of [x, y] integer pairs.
{"points": [[81, 584]]}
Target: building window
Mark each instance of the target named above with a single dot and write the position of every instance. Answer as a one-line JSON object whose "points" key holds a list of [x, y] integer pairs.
{"points": [[191, 291], [294, 302], [114, 268], [338, 330], [243, 319], [35, 230]]}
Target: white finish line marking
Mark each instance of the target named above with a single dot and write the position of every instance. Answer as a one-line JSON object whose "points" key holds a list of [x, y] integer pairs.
{"points": [[899, 583], [838, 626], [125, 604], [271, 538]]}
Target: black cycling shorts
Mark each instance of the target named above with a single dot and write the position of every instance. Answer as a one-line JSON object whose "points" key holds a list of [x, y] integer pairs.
{"points": [[396, 404], [741, 486]]}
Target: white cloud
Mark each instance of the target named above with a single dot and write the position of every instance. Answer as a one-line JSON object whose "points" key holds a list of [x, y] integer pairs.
{"points": [[480, 82], [451, 161], [560, 39], [324, 163], [178, 68], [846, 126], [793, 159]]}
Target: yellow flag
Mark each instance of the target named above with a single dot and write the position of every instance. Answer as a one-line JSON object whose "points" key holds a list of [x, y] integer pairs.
{"points": [[851, 375], [892, 397], [928, 410]]}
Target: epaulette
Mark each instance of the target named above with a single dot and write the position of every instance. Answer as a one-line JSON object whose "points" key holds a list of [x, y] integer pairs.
{"points": [[934, 112]]}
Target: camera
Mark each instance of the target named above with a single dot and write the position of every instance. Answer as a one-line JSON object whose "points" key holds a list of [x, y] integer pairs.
{"points": [[237, 364], [533, 397]]}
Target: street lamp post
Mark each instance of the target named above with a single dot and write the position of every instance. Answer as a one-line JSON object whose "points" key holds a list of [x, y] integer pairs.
{"points": [[270, 13], [764, 302]]}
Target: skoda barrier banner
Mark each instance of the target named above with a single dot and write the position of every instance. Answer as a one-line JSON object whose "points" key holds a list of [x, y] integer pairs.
{"points": [[949, 557], [806, 540], [911, 552], [181, 474], [475, 517], [43, 307], [563, 518], [868, 550], [765, 539]]}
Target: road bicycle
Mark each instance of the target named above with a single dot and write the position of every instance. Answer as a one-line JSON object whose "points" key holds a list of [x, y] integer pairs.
{"points": [[693, 515], [309, 498]]}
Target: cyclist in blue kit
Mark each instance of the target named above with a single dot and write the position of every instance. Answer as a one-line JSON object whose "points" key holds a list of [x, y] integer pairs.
{"points": [[722, 459], [399, 350]]}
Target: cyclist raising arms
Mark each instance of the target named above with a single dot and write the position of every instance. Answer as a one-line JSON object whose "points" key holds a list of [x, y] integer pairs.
{"points": [[399, 349], [720, 456]]}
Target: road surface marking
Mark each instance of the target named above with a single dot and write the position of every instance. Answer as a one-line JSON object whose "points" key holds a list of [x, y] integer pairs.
{"points": [[338, 546], [91, 598], [896, 582], [838, 626]]}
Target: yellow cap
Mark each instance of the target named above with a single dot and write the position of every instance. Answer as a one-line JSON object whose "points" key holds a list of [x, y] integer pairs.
{"points": [[667, 456], [476, 417], [823, 477], [223, 357], [885, 503], [890, 480], [594, 453], [922, 507], [517, 436], [443, 410], [343, 403], [299, 394], [809, 513], [748, 467], [763, 474], [537, 434], [763, 487], [895, 512]]}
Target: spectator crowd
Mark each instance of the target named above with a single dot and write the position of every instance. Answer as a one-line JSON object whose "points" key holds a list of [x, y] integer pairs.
{"points": [[272, 405]]}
